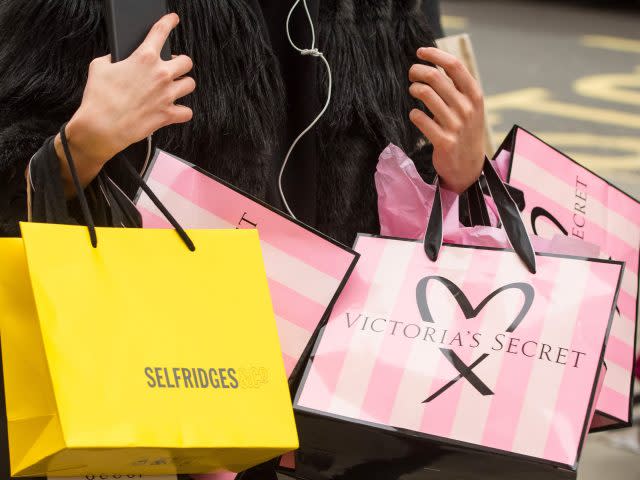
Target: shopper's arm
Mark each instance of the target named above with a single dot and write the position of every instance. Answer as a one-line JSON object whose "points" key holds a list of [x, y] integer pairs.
{"points": [[125, 102]]}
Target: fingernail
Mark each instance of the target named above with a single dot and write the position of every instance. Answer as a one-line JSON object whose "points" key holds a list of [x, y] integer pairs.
{"points": [[422, 51]]}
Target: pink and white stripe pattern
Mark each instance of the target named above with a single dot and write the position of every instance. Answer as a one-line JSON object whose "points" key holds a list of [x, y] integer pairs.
{"points": [[305, 270], [589, 208], [382, 370]]}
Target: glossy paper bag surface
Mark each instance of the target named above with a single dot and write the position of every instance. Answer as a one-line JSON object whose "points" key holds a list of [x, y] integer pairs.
{"points": [[305, 269], [156, 360], [469, 350], [564, 197], [23, 351]]}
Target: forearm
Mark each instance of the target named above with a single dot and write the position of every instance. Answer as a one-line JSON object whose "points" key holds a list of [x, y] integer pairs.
{"points": [[86, 153]]}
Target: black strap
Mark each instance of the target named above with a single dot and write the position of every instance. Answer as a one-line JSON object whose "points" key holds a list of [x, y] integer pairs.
{"points": [[516, 193], [156, 201], [478, 211], [509, 216], [518, 196], [86, 212], [464, 215], [434, 235]]}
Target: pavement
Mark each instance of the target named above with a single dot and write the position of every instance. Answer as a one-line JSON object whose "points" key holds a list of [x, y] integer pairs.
{"points": [[569, 71]]}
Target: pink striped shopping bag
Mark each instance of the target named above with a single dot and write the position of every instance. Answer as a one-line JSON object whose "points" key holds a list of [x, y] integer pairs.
{"points": [[564, 197], [306, 270], [471, 367]]}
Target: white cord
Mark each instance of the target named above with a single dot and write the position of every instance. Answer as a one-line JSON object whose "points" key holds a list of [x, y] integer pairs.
{"points": [[29, 173], [313, 51], [146, 160]]}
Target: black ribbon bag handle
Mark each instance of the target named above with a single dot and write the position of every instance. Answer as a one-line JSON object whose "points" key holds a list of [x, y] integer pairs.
{"points": [[478, 211], [84, 205], [509, 217]]}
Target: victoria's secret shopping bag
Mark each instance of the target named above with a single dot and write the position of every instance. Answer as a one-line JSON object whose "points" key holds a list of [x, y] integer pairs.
{"points": [[305, 269], [469, 367], [564, 197]]}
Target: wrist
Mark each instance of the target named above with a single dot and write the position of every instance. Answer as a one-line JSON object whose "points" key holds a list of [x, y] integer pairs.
{"points": [[459, 180], [458, 185], [86, 144], [87, 157]]}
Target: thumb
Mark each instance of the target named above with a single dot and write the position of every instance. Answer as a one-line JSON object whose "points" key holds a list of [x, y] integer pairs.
{"points": [[105, 59]]}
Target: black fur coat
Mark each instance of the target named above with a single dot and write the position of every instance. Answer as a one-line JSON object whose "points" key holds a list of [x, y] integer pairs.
{"points": [[255, 94]]}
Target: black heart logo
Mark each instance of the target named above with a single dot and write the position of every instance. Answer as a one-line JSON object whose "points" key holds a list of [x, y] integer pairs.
{"points": [[538, 212], [466, 371]]}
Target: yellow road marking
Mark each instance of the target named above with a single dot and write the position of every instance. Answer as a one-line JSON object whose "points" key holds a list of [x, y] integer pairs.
{"points": [[616, 154], [611, 43], [576, 144], [620, 88], [455, 23], [494, 119], [538, 100]]}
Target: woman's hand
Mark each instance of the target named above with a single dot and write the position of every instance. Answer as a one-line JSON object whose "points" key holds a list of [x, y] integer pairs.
{"points": [[125, 102], [457, 128]]}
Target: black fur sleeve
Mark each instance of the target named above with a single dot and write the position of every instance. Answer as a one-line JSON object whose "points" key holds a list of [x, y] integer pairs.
{"points": [[26, 143], [18, 143], [45, 50]]}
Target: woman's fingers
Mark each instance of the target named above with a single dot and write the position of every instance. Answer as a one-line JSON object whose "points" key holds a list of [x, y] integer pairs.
{"points": [[455, 69], [183, 87], [181, 114], [427, 126], [440, 84], [457, 129], [158, 35], [427, 95], [180, 66], [104, 60], [172, 115]]}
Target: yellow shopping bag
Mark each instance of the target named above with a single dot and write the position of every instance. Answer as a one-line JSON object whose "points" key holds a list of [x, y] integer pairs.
{"points": [[139, 356]]}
